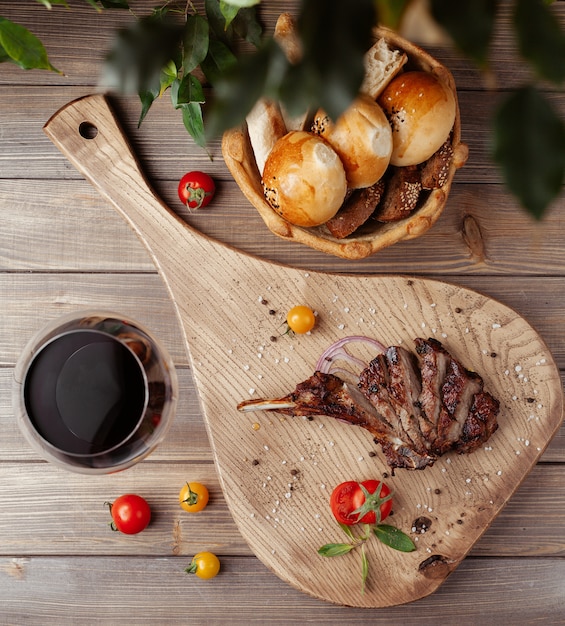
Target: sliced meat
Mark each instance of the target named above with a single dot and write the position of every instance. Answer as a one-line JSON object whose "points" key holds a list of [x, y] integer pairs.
{"points": [[356, 210], [434, 361], [416, 408], [480, 424], [458, 393], [404, 388], [326, 394]]}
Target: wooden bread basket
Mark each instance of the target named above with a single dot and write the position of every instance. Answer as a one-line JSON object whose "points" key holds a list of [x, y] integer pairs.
{"points": [[373, 235]]}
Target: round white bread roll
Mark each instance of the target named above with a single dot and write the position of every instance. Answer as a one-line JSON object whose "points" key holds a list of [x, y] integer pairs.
{"points": [[421, 111], [304, 180], [362, 138]]}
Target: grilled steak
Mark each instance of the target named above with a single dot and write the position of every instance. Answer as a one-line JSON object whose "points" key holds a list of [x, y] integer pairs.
{"points": [[416, 407]]}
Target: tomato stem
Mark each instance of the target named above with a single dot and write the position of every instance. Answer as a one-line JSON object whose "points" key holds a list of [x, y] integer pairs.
{"points": [[192, 497], [373, 503]]}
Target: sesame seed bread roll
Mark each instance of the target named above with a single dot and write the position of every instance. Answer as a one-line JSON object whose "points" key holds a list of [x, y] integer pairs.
{"points": [[362, 137], [421, 110], [304, 180]]}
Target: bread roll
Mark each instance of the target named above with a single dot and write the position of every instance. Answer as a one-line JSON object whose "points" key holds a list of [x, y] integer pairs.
{"points": [[382, 64], [304, 180], [362, 138], [421, 110], [265, 125]]}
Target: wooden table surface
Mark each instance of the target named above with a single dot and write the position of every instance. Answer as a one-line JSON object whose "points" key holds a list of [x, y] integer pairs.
{"points": [[62, 249]]}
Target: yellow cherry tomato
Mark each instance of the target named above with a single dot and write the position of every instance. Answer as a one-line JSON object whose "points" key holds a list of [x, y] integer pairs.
{"points": [[300, 319], [205, 565], [193, 497]]}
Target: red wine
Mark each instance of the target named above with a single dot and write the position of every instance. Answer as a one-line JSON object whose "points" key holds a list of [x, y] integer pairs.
{"points": [[85, 392]]}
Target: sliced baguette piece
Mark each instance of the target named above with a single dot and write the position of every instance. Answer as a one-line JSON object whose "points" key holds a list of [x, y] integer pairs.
{"points": [[382, 64], [265, 125]]}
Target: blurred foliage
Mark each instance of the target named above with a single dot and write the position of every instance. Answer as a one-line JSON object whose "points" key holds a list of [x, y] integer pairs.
{"points": [[177, 50]]}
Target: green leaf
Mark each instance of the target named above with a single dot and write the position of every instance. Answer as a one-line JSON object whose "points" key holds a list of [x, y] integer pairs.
{"points": [[23, 47], [335, 39], [147, 98], [241, 3], [194, 123], [364, 569], [540, 38], [247, 26], [347, 530], [229, 11], [219, 60], [335, 549], [530, 148], [217, 22], [195, 42], [470, 23], [394, 538], [140, 52], [187, 90], [237, 90], [169, 74]]}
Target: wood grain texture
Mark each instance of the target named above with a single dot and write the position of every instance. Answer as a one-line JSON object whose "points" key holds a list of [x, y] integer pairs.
{"points": [[62, 247], [59, 590], [230, 358]]}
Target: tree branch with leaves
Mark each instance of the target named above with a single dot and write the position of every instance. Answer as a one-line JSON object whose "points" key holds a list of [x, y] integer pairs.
{"points": [[178, 50]]}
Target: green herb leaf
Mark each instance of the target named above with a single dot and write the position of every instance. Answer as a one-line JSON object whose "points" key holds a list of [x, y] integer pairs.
{"points": [[364, 569], [195, 42], [394, 538], [335, 549], [194, 123], [540, 38], [530, 148], [470, 23], [23, 47], [347, 530]]}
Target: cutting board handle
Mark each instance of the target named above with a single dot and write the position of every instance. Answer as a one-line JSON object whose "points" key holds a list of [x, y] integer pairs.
{"points": [[87, 132]]}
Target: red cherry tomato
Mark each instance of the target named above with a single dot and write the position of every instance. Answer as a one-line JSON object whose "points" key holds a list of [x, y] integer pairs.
{"points": [[130, 514], [368, 502], [196, 190]]}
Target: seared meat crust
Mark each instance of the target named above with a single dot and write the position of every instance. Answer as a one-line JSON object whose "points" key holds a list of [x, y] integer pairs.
{"points": [[416, 407]]}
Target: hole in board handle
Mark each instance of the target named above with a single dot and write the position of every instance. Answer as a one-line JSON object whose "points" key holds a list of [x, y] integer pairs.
{"points": [[87, 130]]}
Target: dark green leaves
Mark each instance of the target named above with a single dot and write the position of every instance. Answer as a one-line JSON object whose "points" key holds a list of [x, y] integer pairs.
{"points": [[19, 45], [386, 534], [335, 549], [394, 538], [470, 24], [140, 52], [530, 148], [540, 39]]}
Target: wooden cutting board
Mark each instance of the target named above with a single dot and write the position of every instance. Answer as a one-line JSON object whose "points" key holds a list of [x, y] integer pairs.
{"points": [[277, 473]]}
